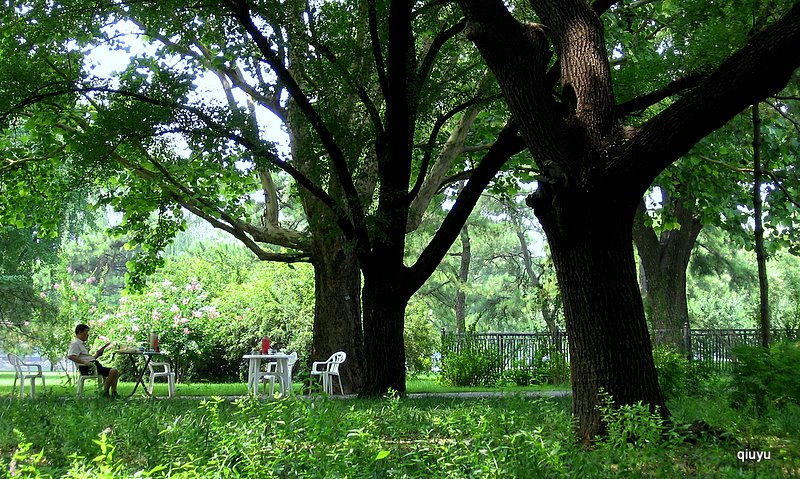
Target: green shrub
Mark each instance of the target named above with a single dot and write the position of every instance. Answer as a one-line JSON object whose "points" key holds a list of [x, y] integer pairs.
{"points": [[471, 364], [762, 376], [420, 337], [549, 366], [629, 425], [677, 375], [552, 366], [522, 374], [206, 329]]}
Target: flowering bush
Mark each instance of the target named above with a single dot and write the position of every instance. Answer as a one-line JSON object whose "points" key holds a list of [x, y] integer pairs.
{"points": [[205, 331], [73, 298], [178, 313]]}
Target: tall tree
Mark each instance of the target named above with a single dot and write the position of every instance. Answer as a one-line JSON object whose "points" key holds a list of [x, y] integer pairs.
{"points": [[365, 104], [595, 169]]}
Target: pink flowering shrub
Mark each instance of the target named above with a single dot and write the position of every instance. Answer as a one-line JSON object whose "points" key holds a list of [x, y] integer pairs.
{"points": [[178, 313]]}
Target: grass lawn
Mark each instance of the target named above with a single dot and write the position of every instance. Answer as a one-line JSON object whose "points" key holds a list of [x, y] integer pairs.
{"points": [[514, 436], [57, 386], [509, 437]]}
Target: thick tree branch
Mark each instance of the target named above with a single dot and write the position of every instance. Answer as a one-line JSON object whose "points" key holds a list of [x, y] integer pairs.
{"points": [[377, 51], [527, 90], [358, 228], [507, 145], [577, 35], [760, 69], [437, 127]]}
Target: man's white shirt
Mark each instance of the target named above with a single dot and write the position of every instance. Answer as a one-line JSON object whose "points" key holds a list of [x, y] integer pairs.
{"points": [[78, 348]]}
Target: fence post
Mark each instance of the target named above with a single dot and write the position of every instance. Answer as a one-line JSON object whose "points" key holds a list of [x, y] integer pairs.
{"points": [[687, 340]]}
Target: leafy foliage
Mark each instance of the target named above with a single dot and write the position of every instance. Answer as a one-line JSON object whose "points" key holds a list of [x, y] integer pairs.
{"points": [[676, 374], [470, 364], [764, 377], [548, 366], [420, 337], [433, 437], [630, 425]]}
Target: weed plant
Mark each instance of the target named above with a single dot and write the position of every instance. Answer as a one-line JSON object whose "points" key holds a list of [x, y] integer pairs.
{"points": [[764, 378], [393, 438]]}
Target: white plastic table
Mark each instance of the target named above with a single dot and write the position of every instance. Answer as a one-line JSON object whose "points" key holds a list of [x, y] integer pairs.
{"points": [[282, 370]]}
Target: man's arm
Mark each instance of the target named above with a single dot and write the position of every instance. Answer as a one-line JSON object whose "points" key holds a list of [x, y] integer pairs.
{"points": [[101, 350], [74, 358]]}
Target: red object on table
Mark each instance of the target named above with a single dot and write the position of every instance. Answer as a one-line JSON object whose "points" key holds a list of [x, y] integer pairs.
{"points": [[264, 345]]}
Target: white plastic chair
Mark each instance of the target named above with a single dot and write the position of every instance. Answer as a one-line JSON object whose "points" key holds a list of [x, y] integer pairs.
{"points": [[28, 373], [329, 368], [271, 374], [161, 370], [81, 379]]}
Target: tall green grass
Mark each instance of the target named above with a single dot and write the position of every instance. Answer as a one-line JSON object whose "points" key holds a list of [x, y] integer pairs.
{"points": [[513, 436]]}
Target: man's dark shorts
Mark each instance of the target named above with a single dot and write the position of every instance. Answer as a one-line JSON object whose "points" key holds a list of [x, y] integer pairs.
{"points": [[100, 369]]}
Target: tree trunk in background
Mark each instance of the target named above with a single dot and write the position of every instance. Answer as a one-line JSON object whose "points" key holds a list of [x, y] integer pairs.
{"points": [[758, 232], [463, 278], [591, 242], [546, 308], [664, 261], [337, 276]]}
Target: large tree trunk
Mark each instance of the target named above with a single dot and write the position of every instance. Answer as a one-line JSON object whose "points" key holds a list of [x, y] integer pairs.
{"points": [[337, 308], [592, 246], [384, 348], [337, 275], [664, 260]]}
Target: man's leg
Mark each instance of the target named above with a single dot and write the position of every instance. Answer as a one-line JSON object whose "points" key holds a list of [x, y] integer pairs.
{"points": [[110, 377], [113, 379]]}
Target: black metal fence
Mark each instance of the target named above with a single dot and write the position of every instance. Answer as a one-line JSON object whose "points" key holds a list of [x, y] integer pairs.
{"points": [[712, 346], [513, 348]]}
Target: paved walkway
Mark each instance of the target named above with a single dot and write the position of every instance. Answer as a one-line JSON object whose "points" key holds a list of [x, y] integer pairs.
{"points": [[465, 395], [492, 394]]}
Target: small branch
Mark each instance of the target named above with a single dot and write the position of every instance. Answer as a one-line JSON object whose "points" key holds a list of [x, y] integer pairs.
{"points": [[645, 101], [377, 53], [442, 38], [782, 113]]}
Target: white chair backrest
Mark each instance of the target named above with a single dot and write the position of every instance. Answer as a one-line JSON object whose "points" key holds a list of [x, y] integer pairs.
{"points": [[292, 359], [14, 360], [335, 360], [165, 368]]}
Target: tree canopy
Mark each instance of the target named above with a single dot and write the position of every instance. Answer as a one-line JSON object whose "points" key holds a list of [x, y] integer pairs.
{"points": [[604, 97]]}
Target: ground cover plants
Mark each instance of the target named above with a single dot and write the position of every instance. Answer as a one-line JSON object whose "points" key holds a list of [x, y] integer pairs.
{"points": [[513, 436], [57, 386]]}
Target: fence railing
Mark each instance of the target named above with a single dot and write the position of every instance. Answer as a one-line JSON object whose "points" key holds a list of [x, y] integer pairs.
{"points": [[713, 347]]}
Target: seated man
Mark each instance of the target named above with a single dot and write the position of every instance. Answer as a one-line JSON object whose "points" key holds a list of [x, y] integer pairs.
{"points": [[80, 355]]}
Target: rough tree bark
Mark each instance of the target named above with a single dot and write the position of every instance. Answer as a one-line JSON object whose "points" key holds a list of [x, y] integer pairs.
{"points": [[337, 304], [664, 260], [594, 170]]}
